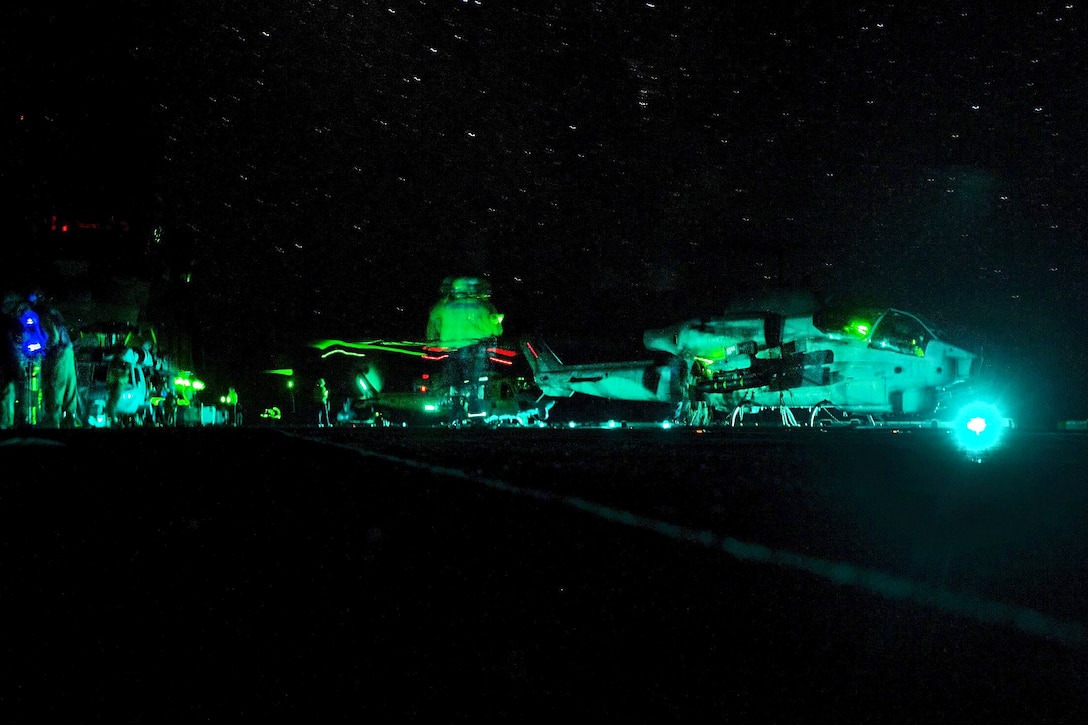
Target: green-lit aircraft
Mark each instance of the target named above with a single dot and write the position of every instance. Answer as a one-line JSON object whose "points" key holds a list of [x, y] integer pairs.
{"points": [[784, 354]]}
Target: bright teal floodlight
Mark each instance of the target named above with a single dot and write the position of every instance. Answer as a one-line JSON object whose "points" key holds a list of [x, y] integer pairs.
{"points": [[979, 427]]}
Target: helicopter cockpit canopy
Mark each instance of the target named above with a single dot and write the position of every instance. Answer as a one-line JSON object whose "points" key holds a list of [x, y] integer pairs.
{"points": [[853, 320], [901, 332], [885, 329]]}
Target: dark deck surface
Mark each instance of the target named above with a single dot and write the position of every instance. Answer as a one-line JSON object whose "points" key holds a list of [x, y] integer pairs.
{"points": [[234, 575]]}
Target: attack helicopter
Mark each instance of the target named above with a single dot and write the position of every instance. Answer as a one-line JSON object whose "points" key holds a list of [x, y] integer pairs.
{"points": [[785, 353]]}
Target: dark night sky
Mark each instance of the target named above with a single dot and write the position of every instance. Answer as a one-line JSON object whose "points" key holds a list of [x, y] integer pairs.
{"points": [[611, 166]]}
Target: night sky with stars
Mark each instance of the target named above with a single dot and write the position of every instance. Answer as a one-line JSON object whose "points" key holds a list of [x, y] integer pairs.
{"points": [[609, 166]]}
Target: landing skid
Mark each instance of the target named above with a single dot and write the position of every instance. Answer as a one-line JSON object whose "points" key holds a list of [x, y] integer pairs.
{"points": [[826, 414], [823, 414], [785, 414]]}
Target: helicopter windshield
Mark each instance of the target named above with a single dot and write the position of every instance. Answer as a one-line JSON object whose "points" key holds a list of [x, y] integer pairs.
{"points": [[901, 332]]}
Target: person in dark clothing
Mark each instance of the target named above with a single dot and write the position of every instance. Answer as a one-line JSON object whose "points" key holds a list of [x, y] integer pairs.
{"points": [[321, 403], [60, 397], [12, 372], [37, 347]]}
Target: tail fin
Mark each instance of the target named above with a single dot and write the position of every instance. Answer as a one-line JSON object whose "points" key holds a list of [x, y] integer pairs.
{"points": [[540, 356]]}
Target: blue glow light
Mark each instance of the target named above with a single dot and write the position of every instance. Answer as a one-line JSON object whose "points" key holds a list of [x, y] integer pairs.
{"points": [[979, 427]]}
